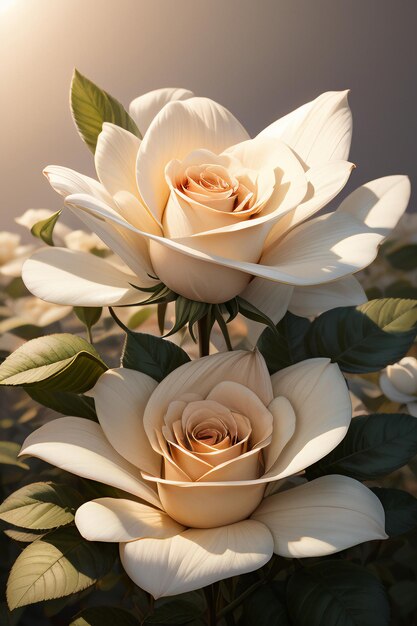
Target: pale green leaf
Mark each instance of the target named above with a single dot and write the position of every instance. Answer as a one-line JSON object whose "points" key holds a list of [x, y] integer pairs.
{"points": [[91, 107], [57, 565], [41, 506], [60, 362]]}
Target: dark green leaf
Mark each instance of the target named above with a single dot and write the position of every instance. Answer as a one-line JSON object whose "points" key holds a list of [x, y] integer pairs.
{"points": [[151, 355], [265, 607], [91, 107], [286, 346], [8, 618], [45, 228], [336, 593], [104, 616], [188, 312], [365, 338], [57, 565], [41, 506], [60, 362], [400, 510], [404, 258], [64, 402], [401, 289], [374, 445], [178, 609], [89, 316], [251, 312]]}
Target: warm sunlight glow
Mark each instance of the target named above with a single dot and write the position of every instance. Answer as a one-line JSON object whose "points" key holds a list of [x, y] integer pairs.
{"points": [[5, 4]]}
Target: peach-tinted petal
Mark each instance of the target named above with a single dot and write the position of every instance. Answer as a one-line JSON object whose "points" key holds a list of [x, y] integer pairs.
{"points": [[178, 129], [311, 301], [283, 429], [120, 396]]}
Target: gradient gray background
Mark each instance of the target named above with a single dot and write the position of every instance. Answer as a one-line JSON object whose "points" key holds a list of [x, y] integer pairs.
{"points": [[260, 58]]}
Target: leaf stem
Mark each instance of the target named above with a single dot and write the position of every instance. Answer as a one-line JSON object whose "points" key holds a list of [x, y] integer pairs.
{"points": [[211, 605], [204, 329]]}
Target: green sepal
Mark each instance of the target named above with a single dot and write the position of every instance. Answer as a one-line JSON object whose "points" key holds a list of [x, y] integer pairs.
{"points": [[45, 228]]}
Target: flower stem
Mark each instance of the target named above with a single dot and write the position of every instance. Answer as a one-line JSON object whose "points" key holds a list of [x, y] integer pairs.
{"points": [[204, 330], [210, 594]]}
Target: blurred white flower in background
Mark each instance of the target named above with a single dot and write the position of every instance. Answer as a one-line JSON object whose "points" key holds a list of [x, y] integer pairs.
{"points": [[399, 383]]}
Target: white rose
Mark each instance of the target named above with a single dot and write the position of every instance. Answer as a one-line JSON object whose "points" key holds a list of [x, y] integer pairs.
{"points": [[399, 383], [12, 254], [199, 450], [213, 214]]}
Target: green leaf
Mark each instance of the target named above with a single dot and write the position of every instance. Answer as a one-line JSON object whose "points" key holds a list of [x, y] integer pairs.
{"points": [[57, 565], [178, 609], [60, 362], [336, 593], [365, 338], [104, 616], [64, 402], [404, 258], [45, 228], [91, 107], [251, 312], [374, 445], [400, 510], [139, 317], [188, 312], [151, 355], [7, 618], [265, 607], [88, 315], [41, 506], [286, 346], [8, 454]]}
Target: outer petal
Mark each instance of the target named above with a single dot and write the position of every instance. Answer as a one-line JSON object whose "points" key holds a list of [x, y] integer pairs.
{"points": [[79, 446], [311, 301], [324, 183], [115, 159], [120, 397], [131, 247], [247, 368], [178, 129], [321, 517], [320, 398], [319, 131], [196, 558], [118, 520], [412, 408], [144, 108], [380, 203], [66, 181], [77, 278]]}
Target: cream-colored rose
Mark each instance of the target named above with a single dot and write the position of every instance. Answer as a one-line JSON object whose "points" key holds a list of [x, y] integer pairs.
{"points": [[12, 254], [31, 310], [213, 214], [399, 383], [199, 450]]}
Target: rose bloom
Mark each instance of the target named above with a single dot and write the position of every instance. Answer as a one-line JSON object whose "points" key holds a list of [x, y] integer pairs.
{"points": [[211, 213], [399, 383], [12, 256], [208, 453]]}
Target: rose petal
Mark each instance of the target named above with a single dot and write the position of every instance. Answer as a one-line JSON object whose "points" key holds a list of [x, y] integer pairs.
{"points": [[320, 399], [311, 301], [321, 517], [144, 108], [119, 520], [319, 131], [77, 278], [115, 159], [120, 396], [79, 446], [196, 558]]}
